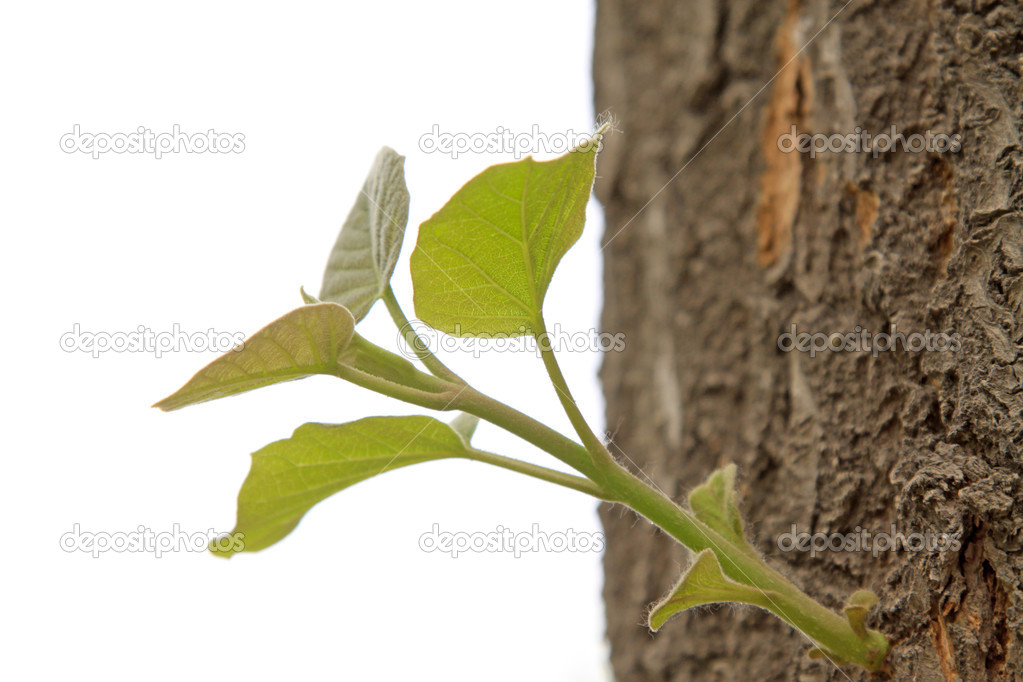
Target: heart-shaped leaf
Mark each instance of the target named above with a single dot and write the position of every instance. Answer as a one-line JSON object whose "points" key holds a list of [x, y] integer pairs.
{"points": [[713, 502], [289, 476], [705, 583], [366, 251], [308, 340], [483, 262]]}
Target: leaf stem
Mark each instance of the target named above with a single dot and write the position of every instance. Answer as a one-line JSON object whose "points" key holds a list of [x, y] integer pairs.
{"points": [[438, 397], [598, 452], [832, 632], [415, 342], [382, 371], [607, 480], [530, 430], [583, 485]]}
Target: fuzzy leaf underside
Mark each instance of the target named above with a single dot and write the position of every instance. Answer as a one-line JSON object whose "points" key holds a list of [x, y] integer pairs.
{"points": [[362, 261]]}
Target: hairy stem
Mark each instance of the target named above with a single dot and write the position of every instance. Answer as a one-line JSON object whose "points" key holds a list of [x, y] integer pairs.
{"points": [[831, 631]]}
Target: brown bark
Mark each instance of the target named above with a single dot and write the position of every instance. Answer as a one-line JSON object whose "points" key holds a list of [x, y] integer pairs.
{"points": [[747, 240]]}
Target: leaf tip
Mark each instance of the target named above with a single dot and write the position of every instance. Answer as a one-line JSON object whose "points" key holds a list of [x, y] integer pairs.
{"points": [[166, 404], [227, 545], [387, 150]]}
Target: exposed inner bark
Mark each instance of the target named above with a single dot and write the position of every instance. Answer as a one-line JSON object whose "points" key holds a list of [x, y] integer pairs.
{"points": [[747, 241]]}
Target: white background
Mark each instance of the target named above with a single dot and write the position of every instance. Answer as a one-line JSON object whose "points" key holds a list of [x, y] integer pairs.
{"points": [[224, 241]]}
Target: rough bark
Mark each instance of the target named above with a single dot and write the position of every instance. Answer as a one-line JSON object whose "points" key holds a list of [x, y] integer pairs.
{"points": [[747, 240]]}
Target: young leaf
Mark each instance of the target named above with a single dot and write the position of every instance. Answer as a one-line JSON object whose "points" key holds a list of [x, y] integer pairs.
{"points": [[713, 502], [702, 584], [308, 340], [307, 297], [289, 476], [465, 425], [860, 602], [483, 262], [366, 250]]}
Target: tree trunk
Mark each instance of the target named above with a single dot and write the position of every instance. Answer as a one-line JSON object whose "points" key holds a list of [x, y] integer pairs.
{"points": [[707, 266]]}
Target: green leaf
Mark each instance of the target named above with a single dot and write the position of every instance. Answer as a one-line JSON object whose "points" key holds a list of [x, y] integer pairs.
{"points": [[713, 502], [704, 583], [290, 476], [308, 340], [483, 262], [367, 248], [307, 297]]}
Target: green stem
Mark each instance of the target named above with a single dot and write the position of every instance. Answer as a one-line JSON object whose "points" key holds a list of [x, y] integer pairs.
{"points": [[415, 342], [831, 631], [382, 371], [472, 401], [414, 396], [367, 365], [583, 485], [525, 427], [599, 454], [607, 480]]}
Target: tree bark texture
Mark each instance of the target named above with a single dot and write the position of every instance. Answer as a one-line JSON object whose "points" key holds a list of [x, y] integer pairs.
{"points": [[707, 267]]}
